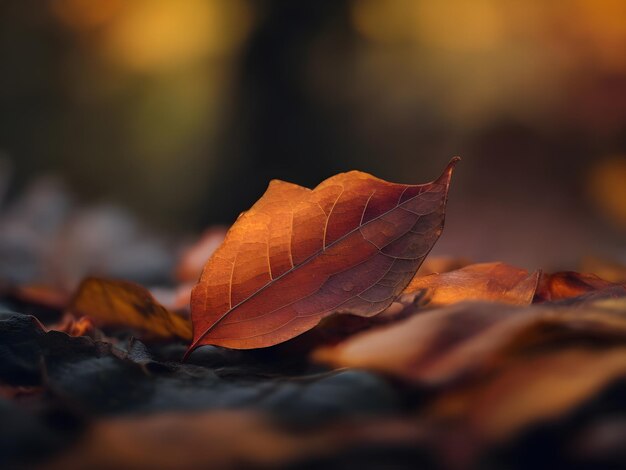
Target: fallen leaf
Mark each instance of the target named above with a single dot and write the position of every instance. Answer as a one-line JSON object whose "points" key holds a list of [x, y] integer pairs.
{"points": [[350, 245], [82, 326], [498, 282], [569, 284], [528, 390], [336, 328], [123, 303], [222, 440], [444, 345], [225, 439]]}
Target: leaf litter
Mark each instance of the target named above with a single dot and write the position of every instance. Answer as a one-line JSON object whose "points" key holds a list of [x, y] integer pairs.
{"points": [[462, 366]]}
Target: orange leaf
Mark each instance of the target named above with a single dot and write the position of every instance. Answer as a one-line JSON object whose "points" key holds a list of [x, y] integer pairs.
{"points": [[82, 326], [443, 345], [530, 389], [222, 440], [496, 282], [123, 303], [568, 284], [351, 245]]}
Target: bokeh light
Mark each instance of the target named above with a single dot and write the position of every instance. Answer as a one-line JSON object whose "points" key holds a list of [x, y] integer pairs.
{"points": [[184, 109]]}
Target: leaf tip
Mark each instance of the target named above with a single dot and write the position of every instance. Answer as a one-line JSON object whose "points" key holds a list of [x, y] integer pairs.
{"points": [[446, 176]]}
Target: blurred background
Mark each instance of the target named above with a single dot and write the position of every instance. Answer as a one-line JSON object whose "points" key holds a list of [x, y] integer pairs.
{"points": [[181, 111]]}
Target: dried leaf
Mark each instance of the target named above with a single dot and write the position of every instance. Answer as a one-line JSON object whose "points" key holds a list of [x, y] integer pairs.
{"points": [[122, 303], [443, 345], [496, 282], [82, 326], [221, 440], [226, 439], [530, 389], [350, 245], [569, 284]]}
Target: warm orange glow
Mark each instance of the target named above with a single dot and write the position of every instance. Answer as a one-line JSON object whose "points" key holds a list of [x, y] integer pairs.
{"points": [[484, 58], [456, 24], [601, 26], [607, 189], [479, 24], [80, 327], [84, 14], [167, 34]]}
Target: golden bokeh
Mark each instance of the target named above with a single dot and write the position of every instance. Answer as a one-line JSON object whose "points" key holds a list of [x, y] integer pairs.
{"points": [[452, 24], [85, 14], [607, 189], [167, 34]]}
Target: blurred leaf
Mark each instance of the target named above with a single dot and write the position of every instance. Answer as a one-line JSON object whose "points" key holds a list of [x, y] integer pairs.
{"points": [[125, 304], [528, 390], [447, 344], [73, 326], [569, 284], [496, 282], [222, 440]]}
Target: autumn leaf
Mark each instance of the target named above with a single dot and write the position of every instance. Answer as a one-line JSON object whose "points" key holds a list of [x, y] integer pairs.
{"points": [[569, 284], [350, 245], [126, 304], [222, 440], [498, 282], [82, 326], [528, 390], [442, 345], [496, 369]]}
